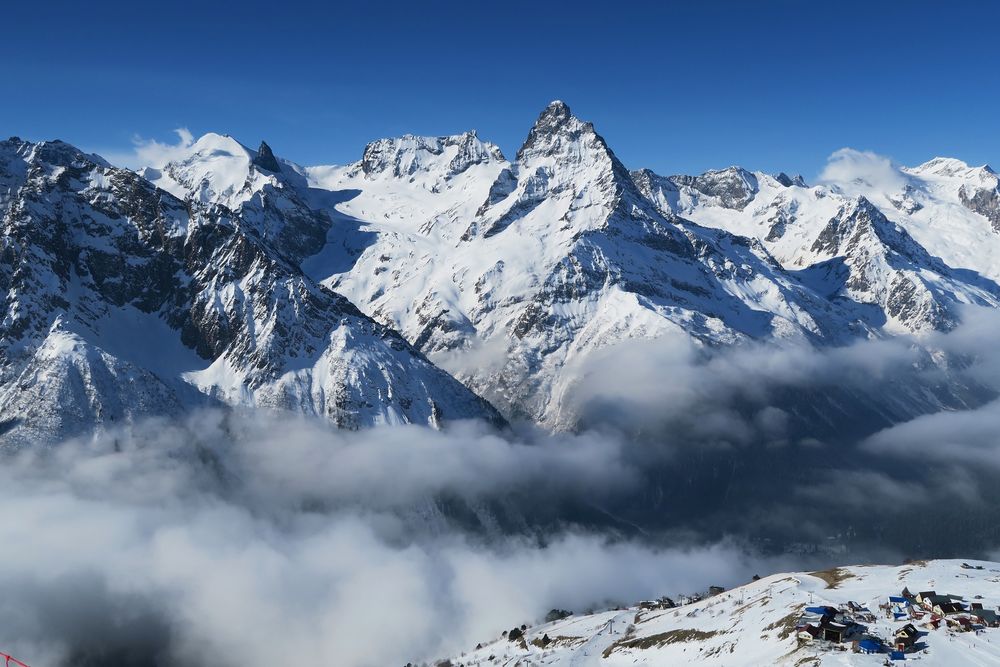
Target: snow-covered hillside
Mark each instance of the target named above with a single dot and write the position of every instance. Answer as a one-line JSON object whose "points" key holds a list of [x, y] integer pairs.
{"points": [[513, 274], [121, 300], [756, 624]]}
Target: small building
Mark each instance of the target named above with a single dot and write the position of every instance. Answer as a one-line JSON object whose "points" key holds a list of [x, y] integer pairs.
{"points": [[932, 601], [906, 637], [835, 632], [897, 655], [869, 645], [987, 617], [661, 603], [949, 608], [923, 595], [716, 590], [822, 611]]}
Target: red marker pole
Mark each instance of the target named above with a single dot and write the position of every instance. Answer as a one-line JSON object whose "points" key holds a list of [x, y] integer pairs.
{"points": [[11, 660]]}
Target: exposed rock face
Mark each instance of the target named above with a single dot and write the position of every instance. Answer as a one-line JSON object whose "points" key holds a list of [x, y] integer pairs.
{"points": [[984, 201], [265, 158], [789, 181], [121, 300], [410, 154], [906, 201], [733, 187]]}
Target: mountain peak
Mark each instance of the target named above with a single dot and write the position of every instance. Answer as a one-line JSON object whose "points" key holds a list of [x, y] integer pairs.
{"points": [[862, 203], [946, 166], [788, 181], [555, 120], [265, 158], [556, 109], [214, 169], [215, 144]]}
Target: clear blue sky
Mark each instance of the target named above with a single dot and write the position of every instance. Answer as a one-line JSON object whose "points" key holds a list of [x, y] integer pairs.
{"points": [[675, 86]]}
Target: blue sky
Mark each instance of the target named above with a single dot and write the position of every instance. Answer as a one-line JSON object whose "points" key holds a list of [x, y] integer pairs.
{"points": [[675, 86]]}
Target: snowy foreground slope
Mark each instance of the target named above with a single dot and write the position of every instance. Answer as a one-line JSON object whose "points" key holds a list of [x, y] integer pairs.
{"points": [[513, 274], [755, 624], [120, 300]]}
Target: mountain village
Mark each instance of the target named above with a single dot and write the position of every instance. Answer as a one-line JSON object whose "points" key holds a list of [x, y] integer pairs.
{"points": [[861, 615]]}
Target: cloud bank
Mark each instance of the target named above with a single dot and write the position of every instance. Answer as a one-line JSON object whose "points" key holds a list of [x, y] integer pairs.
{"points": [[256, 539], [250, 540]]}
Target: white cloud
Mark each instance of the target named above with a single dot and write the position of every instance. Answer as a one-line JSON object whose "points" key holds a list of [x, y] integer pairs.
{"points": [[862, 172], [640, 385], [150, 152], [968, 436]]}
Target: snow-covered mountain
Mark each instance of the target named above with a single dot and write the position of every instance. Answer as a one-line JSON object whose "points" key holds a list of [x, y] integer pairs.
{"points": [[910, 247], [756, 623], [121, 300], [512, 274], [241, 268]]}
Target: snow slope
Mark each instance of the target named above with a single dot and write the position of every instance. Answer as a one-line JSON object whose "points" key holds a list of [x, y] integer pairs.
{"points": [[754, 624]]}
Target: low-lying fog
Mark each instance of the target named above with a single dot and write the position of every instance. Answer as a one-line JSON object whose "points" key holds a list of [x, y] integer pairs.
{"points": [[239, 539]]}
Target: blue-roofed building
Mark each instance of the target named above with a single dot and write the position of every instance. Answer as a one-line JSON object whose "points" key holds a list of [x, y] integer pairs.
{"points": [[822, 611], [869, 646]]}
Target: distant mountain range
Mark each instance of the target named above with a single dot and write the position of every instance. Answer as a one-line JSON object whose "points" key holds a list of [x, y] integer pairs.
{"points": [[230, 276]]}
